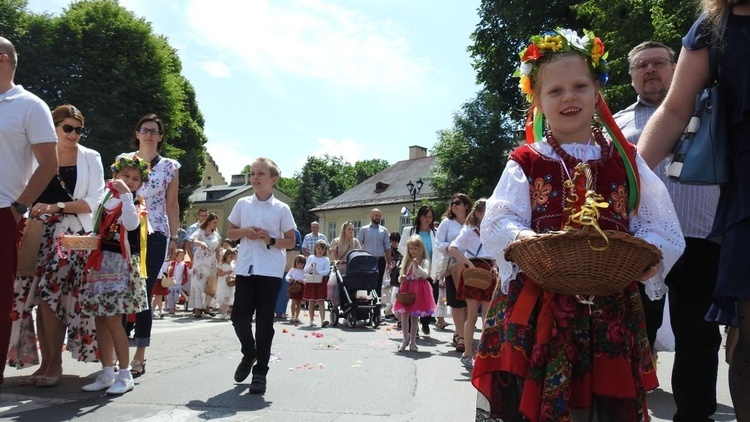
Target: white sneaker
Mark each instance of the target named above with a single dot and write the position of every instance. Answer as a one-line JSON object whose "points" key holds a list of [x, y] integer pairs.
{"points": [[467, 361], [102, 382], [121, 386]]}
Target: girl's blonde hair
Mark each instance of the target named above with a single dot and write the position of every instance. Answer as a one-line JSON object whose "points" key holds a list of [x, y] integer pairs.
{"points": [[321, 244], [479, 206], [415, 240]]}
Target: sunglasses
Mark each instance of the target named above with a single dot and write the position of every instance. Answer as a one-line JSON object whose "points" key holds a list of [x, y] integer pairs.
{"points": [[69, 128], [457, 203]]}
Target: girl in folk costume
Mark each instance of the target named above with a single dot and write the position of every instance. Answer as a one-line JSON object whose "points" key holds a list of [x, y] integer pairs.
{"points": [[225, 291], [296, 276], [179, 270], [116, 284], [545, 356], [315, 293], [468, 250], [415, 269]]}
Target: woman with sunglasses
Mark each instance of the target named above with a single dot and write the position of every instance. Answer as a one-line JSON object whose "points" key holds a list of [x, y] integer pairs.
{"points": [[65, 207], [453, 220], [160, 195]]}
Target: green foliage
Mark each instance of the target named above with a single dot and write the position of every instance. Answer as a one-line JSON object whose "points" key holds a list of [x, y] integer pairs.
{"points": [[472, 155], [324, 178], [288, 185], [106, 61]]}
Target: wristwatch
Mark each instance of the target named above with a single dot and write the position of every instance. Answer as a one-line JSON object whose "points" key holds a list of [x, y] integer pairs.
{"points": [[272, 241], [61, 205], [20, 208]]}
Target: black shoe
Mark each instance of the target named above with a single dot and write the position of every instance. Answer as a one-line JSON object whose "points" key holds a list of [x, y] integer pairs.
{"points": [[243, 369], [426, 329], [258, 386]]}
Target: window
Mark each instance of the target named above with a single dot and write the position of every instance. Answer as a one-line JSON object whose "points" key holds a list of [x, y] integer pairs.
{"points": [[382, 222], [331, 230], [357, 225], [403, 221]]}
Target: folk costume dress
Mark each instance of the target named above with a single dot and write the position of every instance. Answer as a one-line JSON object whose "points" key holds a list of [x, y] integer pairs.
{"points": [[416, 282], [322, 266], [204, 266], [114, 285], [545, 356]]}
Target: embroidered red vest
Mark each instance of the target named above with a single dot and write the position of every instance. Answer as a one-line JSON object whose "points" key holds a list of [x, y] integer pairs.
{"points": [[546, 178]]}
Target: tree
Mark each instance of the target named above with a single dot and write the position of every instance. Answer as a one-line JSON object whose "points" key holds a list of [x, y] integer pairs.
{"points": [[101, 58], [471, 156]]}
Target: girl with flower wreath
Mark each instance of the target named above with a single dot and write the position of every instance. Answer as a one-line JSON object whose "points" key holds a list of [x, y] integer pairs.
{"points": [[553, 357], [115, 284]]}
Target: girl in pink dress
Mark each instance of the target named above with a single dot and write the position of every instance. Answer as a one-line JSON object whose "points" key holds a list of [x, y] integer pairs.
{"points": [[414, 272]]}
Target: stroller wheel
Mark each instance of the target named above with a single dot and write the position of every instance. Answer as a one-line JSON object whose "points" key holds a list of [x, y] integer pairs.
{"points": [[334, 316], [351, 320], [375, 318]]}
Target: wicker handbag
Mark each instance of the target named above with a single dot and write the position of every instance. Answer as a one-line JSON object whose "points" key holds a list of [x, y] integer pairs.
{"points": [[231, 280], [313, 278], [76, 242], [405, 298], [478, 278], [294, 288], [580, 262], [167, 282]]}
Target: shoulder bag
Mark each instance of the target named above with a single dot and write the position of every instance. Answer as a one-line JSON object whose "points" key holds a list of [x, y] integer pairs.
{"points": [[700, 156]]}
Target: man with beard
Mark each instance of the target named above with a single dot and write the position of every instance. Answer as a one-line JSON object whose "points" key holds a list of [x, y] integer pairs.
{"points": [[692, 279], [375, 239]]}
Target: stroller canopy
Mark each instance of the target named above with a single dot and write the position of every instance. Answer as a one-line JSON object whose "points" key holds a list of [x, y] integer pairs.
{"points": [[360, 262]]}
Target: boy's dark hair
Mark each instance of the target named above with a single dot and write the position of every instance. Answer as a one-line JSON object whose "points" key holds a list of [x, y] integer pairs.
{"points": [[395, 236]]}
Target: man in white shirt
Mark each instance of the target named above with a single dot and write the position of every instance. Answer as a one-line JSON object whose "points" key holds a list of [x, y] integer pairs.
{"points": [[26, 132]]}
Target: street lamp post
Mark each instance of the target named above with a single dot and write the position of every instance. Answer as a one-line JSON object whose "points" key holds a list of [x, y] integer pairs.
{"points": [[413, 191]]}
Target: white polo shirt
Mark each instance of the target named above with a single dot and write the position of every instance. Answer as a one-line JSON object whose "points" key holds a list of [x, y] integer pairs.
{"points": [[25, 120], [254, 258]]}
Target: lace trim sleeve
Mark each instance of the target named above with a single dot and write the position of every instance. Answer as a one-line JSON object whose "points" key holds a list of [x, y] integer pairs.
{"points": [[508, 212]]}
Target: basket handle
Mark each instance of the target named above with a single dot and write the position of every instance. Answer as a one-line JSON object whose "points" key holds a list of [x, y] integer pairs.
{"points": [[60, 249]]}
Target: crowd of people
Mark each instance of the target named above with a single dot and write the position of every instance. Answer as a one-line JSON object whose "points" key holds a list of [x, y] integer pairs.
{"points": [[542, 355]]}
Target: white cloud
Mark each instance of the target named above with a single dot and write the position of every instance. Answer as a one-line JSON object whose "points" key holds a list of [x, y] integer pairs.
{"points": [[347, 148], [311, 39], [217, 69], [229, 155]]}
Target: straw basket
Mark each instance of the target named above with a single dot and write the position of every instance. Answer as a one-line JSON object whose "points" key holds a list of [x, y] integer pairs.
{"points": [[313, 278], [579, 261], [231, 281], [75, 242], [478, 278], [294, 288], [405, 298], [167, 282]]}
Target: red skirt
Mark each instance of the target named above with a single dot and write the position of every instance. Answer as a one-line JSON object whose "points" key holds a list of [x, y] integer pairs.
{"points": [[158, 290], [466, 292], [316, 291]]}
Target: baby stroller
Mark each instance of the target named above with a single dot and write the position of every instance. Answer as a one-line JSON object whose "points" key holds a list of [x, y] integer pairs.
{"points": [[357, 299]]}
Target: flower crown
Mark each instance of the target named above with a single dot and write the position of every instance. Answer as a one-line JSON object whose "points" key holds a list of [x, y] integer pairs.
{"points": [[560, 41], [136, 162]]}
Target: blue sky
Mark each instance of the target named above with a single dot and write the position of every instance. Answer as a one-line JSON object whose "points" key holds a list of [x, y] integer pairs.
{"points": [[288, 79]]}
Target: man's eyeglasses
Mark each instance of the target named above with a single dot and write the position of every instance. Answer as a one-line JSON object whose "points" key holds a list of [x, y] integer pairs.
{"points": [[145, 131], [69, 128], [641, 65], [456, 203]]}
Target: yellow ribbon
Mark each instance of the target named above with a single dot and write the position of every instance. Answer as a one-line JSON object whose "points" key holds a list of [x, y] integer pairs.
{"points": [[589, 216], [143, 215]]}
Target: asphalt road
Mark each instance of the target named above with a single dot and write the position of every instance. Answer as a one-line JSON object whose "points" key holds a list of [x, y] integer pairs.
{"points": [[317, 374]]}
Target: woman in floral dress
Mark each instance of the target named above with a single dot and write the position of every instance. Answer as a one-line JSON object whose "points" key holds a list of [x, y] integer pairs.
{"points": [[206, 241]]}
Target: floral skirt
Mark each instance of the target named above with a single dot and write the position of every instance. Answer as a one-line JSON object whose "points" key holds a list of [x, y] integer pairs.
{"points": [[542, 356], [424, 302], [316, 291], [116, 288], [57, 281]]}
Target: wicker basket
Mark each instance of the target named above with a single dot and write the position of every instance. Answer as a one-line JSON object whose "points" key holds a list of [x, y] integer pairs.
{"points": [[478, 278], [579, 261], [313, 278], [167, 282], [75, 242], [294, 289], [231, 280], [405, 298]]}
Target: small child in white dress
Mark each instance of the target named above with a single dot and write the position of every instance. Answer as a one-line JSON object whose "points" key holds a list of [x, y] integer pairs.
{"points": [[225, 291]]}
